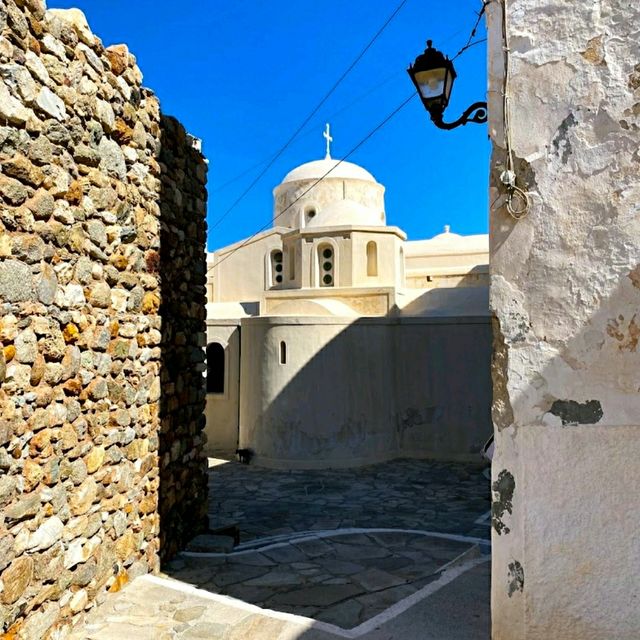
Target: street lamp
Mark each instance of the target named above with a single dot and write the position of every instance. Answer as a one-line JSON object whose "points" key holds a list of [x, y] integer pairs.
{"points": [[433, 74]]}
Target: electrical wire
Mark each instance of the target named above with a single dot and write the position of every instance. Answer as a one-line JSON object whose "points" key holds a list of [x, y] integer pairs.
{"points": [[472, 35], [237, 177], [319, 180], [514, 193], [308, 118], [329, 117]]}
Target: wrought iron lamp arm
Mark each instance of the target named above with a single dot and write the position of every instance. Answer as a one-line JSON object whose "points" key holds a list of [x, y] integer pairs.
{"points": [[477, 112]]}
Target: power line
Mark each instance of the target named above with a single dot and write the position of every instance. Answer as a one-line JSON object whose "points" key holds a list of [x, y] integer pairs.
{"points": [[308, 118], [319, 180], [472, 35], [348, 106], [362, 96]]}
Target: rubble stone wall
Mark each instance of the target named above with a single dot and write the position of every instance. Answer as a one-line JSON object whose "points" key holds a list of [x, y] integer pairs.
{"points": [[102, 293], [565, 291]]}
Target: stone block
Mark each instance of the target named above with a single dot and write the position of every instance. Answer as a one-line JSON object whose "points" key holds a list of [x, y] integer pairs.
{"points": [[208, 543]]}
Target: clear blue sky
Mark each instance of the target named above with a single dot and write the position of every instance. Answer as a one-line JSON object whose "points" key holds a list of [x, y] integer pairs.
{"points": [[243, 75]]}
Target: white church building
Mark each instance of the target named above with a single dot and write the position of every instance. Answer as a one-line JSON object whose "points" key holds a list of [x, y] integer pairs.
{"points": [[335, 341]]}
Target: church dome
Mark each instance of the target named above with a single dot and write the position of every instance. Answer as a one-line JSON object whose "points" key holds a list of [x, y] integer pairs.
{"points": [[347, 212], [318, 168]]}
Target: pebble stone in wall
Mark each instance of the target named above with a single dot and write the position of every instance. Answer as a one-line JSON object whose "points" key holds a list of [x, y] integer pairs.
{"points": [[102, 293]]}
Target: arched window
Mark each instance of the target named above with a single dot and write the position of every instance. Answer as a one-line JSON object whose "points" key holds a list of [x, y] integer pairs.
{"points": [[215, 368], [326, 260], [372, 259], [276, 267], [309, 213], [283, 352]]}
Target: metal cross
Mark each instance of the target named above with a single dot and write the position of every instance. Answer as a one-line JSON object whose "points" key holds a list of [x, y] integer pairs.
{"points": [[327, 136]]}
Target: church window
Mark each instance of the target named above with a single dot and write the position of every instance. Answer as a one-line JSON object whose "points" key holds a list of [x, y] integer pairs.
{"points": [[276, 267], [283, 352], [215, 368], [326, 263], [309, 213], [372, 259]]}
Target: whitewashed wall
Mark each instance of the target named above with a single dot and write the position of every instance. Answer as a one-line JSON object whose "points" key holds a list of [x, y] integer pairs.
{"points": [[565, 289]]}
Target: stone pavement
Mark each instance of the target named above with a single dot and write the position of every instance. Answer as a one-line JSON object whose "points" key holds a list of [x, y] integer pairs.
{"points": [[160, 609], [344, 579], [402, 494], [324, 555]]}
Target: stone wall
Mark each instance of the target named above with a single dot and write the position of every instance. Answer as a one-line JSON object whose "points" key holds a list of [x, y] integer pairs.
{"points": [[102, 235], [565, 289]]}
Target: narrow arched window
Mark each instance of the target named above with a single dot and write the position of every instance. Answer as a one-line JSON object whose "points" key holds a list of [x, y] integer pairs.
{"points": [[309, 214], [372, 259], [215, 368], [283, 352], [326, 260]]}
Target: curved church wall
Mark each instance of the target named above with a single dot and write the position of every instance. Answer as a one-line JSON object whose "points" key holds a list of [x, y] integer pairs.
{"points": [[369, 194], [364, 391]]}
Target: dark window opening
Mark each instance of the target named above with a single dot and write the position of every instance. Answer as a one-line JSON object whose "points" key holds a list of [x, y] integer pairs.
{"points": [[215, 368]]}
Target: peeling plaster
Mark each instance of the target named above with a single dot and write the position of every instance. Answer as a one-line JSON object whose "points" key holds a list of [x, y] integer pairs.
{"points": [[516, 578], [574, 114], [634, 274], [572, 412], [594, 53], [627, 335], [503, 489], [634, 78], [501, 410], [561, 143]]}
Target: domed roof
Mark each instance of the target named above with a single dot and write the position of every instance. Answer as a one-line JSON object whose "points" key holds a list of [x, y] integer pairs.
{"points": [[347, 212], [319, 168]]}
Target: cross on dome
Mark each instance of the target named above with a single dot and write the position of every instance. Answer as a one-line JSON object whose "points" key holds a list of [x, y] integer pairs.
{"points": [[327, 136]]}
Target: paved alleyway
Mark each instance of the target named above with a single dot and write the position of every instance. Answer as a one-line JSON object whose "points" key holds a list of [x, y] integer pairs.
{"points": [[391, 551], [402, 494]]}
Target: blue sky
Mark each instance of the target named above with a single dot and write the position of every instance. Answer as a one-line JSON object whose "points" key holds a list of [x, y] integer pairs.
{"points": [[244, 74]]}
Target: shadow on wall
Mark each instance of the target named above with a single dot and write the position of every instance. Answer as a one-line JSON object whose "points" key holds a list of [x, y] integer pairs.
{"points": [[102, 236], [181, 268], [465, 300], [476, 277], [366, 391], [566, 413]]}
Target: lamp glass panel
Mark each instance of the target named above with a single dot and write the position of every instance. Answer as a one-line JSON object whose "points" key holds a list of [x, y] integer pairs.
{"points": [[448, 86], [432, 82]]}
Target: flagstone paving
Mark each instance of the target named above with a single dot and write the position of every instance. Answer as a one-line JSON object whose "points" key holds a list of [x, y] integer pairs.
{"points": [[402, 494], [344, 580], [314, 544]]}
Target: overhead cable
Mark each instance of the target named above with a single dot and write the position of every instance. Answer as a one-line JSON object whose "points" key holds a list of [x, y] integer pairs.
{"points": [[319, 180], [327, 118], [348, 70], [472, 35]]}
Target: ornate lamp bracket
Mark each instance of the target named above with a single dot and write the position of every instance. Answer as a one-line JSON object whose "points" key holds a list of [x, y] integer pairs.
{"points": [[477, 112]]}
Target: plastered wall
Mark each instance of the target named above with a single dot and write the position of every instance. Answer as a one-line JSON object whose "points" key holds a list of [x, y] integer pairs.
{"points": [[364, 391], [565, 291]]}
